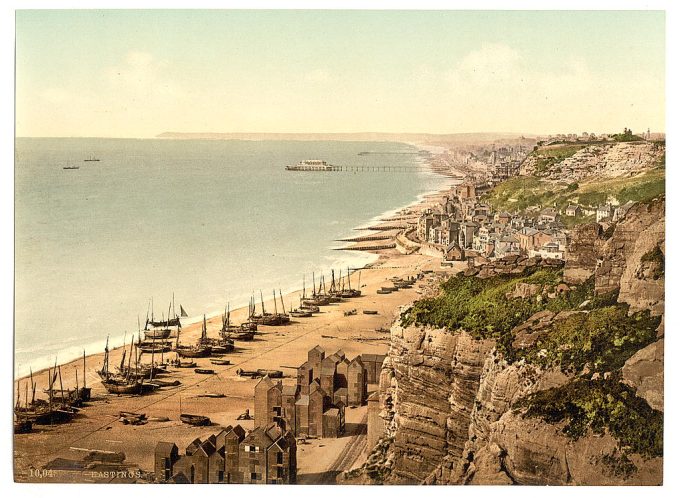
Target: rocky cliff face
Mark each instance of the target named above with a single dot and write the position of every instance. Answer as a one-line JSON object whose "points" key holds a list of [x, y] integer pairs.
{"points": [[449, 401], [606, 160]]}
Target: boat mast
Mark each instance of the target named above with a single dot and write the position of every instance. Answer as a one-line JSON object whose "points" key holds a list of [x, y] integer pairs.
{"points": [[130, 356], [105, 370], [262, 301], [153, 352], [283, 306], [32, 387], [84, 374], [276, 311], [61, 387], [49, 392]]}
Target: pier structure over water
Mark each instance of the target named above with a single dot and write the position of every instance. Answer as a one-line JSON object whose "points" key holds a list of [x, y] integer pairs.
{"points": [[328, 168]]}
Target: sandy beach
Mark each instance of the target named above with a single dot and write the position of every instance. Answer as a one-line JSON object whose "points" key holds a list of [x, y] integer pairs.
{"points": [[96, 427]]}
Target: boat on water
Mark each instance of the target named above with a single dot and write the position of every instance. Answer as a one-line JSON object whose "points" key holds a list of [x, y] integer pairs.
{"points": [[91, 158], [312, 165], [71, 166]]}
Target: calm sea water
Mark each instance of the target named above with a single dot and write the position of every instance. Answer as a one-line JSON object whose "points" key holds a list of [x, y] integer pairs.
{"points": [[210, 221]]}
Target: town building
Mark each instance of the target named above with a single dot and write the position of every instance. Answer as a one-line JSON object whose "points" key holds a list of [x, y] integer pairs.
{"points": [[266, 455], [604, 213], [573, 210], [315, 405]]}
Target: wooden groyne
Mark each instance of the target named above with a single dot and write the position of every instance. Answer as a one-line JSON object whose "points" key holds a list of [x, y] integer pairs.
{"points": [[366, 238], [384, 227], [367, 248], [401, 218]]}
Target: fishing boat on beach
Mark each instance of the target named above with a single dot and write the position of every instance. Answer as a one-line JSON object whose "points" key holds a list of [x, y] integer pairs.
{"points": [[178, 363], [61, 405], [162, 329], [299, 313], [192, 419], [198, 420], [271, 319], [304, 310], [350, 292], [316, 299], [119, 383], [202, 349]]}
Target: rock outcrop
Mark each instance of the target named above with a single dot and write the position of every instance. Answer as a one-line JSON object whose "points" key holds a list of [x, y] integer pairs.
{"points": [[605, 160]]}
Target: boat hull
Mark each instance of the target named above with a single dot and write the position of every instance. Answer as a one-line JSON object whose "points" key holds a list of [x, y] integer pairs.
{"points": [[199, 420], [195, 353], [157, 334]]}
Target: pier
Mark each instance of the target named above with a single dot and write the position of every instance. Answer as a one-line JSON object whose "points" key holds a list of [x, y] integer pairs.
{"points": [[355, 169]]}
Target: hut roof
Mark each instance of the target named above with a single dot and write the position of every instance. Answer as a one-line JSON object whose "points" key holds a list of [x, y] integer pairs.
{"points": [[165, 447]]}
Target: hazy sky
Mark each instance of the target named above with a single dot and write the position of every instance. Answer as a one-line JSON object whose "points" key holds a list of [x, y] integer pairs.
{"points": [[139, 73]]}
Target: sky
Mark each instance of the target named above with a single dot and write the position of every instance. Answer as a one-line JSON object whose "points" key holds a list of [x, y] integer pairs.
{"points": [[138, 73]]}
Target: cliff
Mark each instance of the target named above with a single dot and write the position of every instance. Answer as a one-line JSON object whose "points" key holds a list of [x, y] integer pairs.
{"points": [[572, 394], [573, 162]]}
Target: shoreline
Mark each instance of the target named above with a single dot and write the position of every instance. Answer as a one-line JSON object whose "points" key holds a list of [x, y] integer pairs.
{"points": [[192, 322]]}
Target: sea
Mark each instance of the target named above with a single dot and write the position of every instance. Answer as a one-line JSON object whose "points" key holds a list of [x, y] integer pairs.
{"points": [[208, 221]]}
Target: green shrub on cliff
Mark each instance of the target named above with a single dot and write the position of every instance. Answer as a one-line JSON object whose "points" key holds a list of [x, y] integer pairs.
{"points": [[599, 405], [480, 306], [603, 339]]}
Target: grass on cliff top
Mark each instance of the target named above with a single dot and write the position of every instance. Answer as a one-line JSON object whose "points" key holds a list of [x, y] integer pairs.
{"points": [[480, 307], [599, 405], [519, 193], [603, 339]]}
